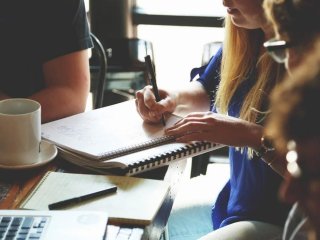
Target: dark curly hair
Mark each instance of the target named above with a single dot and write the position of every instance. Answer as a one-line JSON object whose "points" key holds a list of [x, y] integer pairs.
{"points": [[295, 20], [295, 113]]}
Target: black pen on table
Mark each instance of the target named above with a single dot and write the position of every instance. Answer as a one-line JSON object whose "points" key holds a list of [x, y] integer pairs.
{"points": [[75, 200], [152, 77]]}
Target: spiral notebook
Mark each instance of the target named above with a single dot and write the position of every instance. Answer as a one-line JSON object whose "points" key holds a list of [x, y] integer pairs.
{"points": [[115, 137]]}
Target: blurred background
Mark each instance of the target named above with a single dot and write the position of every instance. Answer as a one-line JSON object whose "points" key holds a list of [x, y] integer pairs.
{"points": [[176, 33]]}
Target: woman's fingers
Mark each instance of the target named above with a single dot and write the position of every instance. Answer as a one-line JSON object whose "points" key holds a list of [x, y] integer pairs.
{"points": [[192, 131], [142, 108], [210, 127], [149, 109], [193, 122]]}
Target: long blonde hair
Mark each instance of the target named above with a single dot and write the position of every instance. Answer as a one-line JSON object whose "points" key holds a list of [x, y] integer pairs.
{"points": [[241, 55]]}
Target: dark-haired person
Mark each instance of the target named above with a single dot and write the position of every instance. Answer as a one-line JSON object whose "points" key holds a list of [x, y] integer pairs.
{"points": [[294, 128], [293, 122], [295, 27], [44, 54]]}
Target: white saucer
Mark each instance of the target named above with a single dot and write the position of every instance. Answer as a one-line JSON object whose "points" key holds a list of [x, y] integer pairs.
{"points": [[48, 152]]}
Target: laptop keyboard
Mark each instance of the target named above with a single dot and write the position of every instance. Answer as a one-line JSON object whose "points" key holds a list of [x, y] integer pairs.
{"points": [[122, 233], [32, 228], [22, 227]]}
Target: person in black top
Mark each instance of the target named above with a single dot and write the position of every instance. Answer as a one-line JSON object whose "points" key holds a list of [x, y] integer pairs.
{"points": [[44, 54]]}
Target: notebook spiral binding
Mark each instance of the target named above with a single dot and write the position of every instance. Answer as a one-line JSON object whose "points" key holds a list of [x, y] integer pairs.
{"points": [[136, 147], [167, 157]]}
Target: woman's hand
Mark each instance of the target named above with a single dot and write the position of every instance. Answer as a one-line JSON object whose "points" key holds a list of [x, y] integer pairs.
{"points": [[149, 109], [216, 128]]}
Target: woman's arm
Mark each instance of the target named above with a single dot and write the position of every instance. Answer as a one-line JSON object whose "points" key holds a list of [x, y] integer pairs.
{"points": [[226, 130], [191, 97]]}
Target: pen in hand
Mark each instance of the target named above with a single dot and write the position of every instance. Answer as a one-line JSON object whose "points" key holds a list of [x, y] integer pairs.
{"points": [[75, 200], [152, 77]]}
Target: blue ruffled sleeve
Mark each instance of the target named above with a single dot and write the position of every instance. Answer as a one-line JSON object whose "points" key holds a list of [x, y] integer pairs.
{"points": [[209, 75]]}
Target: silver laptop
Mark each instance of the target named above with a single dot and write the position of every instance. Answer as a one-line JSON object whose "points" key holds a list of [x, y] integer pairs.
{"points": [[52, 225]]}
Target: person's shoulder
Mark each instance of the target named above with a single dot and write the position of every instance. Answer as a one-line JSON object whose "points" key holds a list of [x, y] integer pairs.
{"points": [[62, 11], [215, 60], [61, 6], [61, 3], [219, 54]]}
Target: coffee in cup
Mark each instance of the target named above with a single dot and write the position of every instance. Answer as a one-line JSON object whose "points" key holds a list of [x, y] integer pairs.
{"points": [[20, 131]]}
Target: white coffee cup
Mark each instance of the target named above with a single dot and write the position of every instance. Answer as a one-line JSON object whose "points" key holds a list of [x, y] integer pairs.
{"points": [[20, 131]]}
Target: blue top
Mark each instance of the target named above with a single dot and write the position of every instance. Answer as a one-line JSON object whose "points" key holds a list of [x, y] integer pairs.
{"points": [[252, 191], [34, 32]]}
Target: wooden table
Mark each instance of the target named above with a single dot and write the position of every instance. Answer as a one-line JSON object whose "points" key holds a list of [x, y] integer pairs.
{"points": [[15, 184]]}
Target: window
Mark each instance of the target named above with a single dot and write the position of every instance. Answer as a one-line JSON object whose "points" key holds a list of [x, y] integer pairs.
{"points": [[183, 7], [178, 49]]}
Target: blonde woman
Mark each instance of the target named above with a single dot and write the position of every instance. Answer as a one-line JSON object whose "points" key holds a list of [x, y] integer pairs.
{"points": [[225, 104]]}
